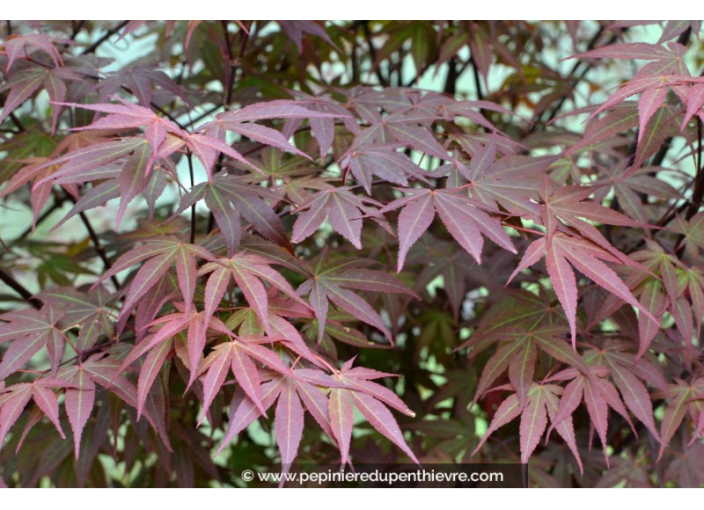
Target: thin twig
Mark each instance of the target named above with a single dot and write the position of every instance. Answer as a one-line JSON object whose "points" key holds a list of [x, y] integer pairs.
{"points": [[58, 202], [372, 53], [17, 122], [108, 35], [99, 248], [19, 288], [189, 157]]}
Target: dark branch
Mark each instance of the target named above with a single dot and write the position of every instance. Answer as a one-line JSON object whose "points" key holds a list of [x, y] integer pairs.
{"points": [[108, 35], [19, 288]]}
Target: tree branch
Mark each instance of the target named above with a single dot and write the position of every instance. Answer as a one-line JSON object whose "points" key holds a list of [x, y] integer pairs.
{"points": [[108, 35], [189, 157], [19, 288], [99, 248]]}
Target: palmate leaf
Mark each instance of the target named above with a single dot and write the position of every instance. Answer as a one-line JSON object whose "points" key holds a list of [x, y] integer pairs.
{"points": [[517, 353], [241, 121], [90, 311], [238, 355], [249, 272], [254, 311], [332, 281], [567, 205], [293, 394], [667, 286], [637, 51], [159, 344], [465, 219], [141, 80], [29, 331], [369, 399], [163, 135], [627, 189], [125, 116], [24, 45], [280, 109], [80, 168], [15, 398], [543, 401], [306, 384], [80, 396], [231, 198], [692, 232], [83, 161], [381, 160], [342, 208], [24, 84], [511, 182], [348, 389], [563, 250], [160, 254], [681, 396], [598, 395]]}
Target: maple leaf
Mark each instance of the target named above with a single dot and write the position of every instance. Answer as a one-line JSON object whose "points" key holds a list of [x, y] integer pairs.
{"points": [[279, 328], [692, 232], [80, 397], [90, 311], [611, 248], [342, 208], [231, 197], [249, 271], [82, 165], [567, 206], [598, 395], [628, 372], [159, 345], [239, 355], [563, 250], [241, 122], [459, 270], [518, 353], [298, 28], [543, 401], [161, 254], [626, 190], [141, 80], [19, 45], [396, 128], [349, 387], [511, 182], [14, 399], [663, 60], [681, 396], [465, 219], [294, 394], [323, 128], [29, 331], [163, 135], [24, 84], [384, 161], [170, 24], [685, 467], [332, 281]]}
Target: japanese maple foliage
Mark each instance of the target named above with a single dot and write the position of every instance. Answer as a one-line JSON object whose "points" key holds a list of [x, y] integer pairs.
{"points": [[262, 243]]}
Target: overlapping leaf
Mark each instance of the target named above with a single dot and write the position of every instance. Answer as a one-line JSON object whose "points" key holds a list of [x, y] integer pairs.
{"points": [[333, 282], [160, 255], [465, 219]]}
